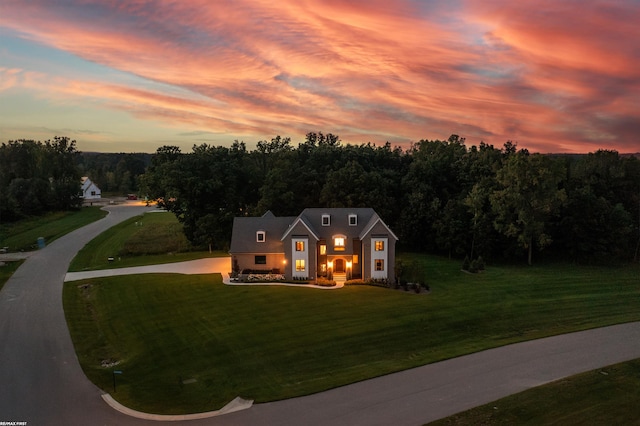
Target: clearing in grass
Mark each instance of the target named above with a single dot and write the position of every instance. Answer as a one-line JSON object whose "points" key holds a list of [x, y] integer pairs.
{"points": [[189, 343]]}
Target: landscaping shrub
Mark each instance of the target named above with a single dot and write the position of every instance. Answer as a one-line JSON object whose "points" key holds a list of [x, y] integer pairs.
{"points": [[324, 282], [466, 264]]}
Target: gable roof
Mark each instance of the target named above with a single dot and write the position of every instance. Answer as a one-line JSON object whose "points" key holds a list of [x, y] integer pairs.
{"points": [[372, 223], [243, 234], [243, 237], [297, 221]]}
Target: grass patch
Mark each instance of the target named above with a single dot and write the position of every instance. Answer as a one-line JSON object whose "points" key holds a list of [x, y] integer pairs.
{"points": [[24, 234], [604, 396], [148, 239], [279, 342], [7, 270]]}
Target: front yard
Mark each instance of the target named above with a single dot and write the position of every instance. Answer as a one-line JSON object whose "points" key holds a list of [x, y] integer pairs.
{"points": [[189, 343]]}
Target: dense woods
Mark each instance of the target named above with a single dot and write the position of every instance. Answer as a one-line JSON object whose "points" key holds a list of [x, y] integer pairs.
{"points": [[438, 196], [37, 177]]}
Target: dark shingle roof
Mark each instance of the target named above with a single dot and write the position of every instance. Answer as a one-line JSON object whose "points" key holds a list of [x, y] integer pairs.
{"points": [[243, 236]]}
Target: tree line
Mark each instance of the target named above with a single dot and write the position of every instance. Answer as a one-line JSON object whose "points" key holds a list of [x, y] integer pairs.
{"points": [[38, 177], [438, 196]]}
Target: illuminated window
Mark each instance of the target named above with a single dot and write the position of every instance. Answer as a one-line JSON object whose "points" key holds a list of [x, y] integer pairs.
{"points": [[379, 264], [299, 265], [355, 258], [379, 245], [326, 220], [353, 220], [299, 245], [338, 243], [260, 236], [323, 267], [323, 249], [261, 260]]}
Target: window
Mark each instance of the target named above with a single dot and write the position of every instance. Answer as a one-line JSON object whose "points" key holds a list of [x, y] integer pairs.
{"points": [[353, 220], [379, 264], [261, 260], [323, 249], [299, 265], [326, 220], [379, 245], [299, 245], [338, 243], [323, 267], [260, 236], [355, 258]]}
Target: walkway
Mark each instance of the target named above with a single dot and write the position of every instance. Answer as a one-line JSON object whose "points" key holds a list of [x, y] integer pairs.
{"points": [[42, 382]]}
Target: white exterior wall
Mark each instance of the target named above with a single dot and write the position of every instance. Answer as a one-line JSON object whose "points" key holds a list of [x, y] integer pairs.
{"points": [[92, 188], [300, 256], [382, 254]]}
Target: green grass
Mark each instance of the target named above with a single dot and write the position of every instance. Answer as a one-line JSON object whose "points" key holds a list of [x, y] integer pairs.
{"points": [[24, 234], [604, 396], [273, 343], [142, 240], [7, 270]]}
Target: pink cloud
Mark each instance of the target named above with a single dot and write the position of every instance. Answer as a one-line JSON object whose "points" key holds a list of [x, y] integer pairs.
{"points": [[536, 72]]}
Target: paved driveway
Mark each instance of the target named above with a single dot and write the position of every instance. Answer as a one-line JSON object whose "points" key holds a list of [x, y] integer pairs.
{"points": [[41, 381]]}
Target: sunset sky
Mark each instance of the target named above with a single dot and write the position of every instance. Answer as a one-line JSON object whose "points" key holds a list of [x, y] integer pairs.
{"points": [[551, 75]]}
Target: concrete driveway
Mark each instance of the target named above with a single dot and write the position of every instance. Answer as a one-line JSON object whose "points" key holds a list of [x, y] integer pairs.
{"points": [[43, 384]]}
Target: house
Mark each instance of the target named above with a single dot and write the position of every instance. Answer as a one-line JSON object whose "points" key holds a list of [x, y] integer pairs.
{"points": [[90, 190], [336, 243]]}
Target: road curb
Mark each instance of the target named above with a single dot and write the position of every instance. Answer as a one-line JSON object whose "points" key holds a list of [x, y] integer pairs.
{"points": [[236, 404]]}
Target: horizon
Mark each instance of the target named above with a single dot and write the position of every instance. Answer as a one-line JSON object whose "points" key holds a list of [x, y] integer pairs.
{"points": [[135, 77]]}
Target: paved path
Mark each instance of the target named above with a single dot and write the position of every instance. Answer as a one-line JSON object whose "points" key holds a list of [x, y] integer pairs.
{"points": [[200, 266], [41, 382]]}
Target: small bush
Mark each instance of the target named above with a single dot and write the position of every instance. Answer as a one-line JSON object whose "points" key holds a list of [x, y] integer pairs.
{"points": [[324, 282], [481, 263], [466, 264]]}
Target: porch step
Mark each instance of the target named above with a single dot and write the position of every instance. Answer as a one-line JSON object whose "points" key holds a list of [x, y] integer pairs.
{"points": [[339, 278]]}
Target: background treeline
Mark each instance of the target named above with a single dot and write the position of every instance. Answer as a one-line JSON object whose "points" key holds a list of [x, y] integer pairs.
{"points": [[438, 196], [37, 177], [114, 173]]}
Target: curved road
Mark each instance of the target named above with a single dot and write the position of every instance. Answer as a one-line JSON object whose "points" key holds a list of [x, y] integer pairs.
{"points": [[42, 383]]}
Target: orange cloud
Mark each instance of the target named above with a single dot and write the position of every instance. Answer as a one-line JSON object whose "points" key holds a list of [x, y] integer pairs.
{"points": [[536, 72]]}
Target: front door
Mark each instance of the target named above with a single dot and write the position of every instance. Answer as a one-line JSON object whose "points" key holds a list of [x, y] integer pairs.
{"points": [[339, 265]]}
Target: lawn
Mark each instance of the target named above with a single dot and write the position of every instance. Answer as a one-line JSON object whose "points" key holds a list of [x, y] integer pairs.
{"points": [[142, 240], [7, 270], [189, 343], [604, 396], [24, 234]]}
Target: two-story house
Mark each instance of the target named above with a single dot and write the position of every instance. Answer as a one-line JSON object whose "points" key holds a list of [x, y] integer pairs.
{"points": [[338, 243]]}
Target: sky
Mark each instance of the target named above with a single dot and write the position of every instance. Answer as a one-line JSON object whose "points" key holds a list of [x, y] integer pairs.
{"points": [[130, 76]]}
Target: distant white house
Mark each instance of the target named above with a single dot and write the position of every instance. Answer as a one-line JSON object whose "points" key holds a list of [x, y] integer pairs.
{"points": [[90, 190]]}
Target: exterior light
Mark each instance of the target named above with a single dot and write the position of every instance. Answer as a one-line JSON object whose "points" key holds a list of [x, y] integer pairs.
{"points": [[330, 264], [348, 264]]}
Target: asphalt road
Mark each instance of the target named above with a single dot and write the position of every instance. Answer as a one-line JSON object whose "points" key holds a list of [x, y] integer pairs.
{"points": [[41, 381]]}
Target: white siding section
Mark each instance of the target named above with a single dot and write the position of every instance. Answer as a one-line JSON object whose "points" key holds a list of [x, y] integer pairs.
{"points": [[379, 257], [300, 258]]}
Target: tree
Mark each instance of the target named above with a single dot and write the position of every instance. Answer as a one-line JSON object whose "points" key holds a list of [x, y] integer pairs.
{"points": [[527, 197]]}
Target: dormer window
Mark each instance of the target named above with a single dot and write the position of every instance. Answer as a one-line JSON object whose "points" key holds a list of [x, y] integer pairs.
{"points": [[260, 236], [353, 220], [326, 220]]}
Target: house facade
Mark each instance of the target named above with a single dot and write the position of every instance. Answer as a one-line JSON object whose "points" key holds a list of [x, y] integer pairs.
{"points": [[337, 243], [90, 190]]}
